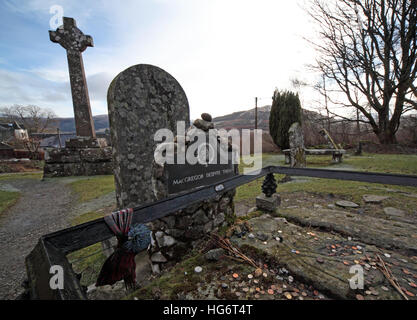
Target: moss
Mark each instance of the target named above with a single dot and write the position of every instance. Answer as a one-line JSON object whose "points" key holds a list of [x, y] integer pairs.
{"points": [[175, 281]]}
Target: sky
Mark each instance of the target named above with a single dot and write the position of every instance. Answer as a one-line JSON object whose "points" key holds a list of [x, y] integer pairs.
{"points": [[224, 53]]}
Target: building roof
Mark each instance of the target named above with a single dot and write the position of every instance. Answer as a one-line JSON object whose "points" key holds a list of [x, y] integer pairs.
{"points": [[53, 140]]}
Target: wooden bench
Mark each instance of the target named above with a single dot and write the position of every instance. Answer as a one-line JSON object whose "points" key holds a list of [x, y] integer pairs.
{"points": [[337, 154]]}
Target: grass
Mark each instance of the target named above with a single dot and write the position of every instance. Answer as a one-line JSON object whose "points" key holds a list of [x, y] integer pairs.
{"points": [[386, 163], [8, 199], [92, 188], [25, 175], [401, 164], [87, 261]]}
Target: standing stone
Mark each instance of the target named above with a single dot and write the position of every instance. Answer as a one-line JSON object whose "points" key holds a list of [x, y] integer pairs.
{"points": [[75, 42], [141, 100], [297, 151]]}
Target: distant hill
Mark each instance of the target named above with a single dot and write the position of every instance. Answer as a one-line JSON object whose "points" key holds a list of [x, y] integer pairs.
{"points": [[239, 120], [244, 119], [101, 123]]}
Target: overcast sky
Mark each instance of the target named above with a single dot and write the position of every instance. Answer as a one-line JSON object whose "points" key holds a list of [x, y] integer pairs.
{"points": [[224, 53]]}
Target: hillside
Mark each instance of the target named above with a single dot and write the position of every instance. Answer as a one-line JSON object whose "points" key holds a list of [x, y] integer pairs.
{"points": [[244, 119], [101, 123]]}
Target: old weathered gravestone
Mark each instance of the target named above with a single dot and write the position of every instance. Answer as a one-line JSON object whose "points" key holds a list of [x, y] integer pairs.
{"points": [[84, 155], [141, 100], [297, 151]]}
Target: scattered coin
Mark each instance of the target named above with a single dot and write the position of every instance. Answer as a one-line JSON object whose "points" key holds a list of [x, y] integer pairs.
{"points": [[368, 293], [304, 294], [387, 255], [265, 275], [273, 287], [250, 276], [270, 291], [346, 263], [257, 296], [290, 279], [384, 288], [258, 272], [238, 294], [288, 295], [319, 260], [198, 269], [360, 297], [315, 292], [235, 275]]}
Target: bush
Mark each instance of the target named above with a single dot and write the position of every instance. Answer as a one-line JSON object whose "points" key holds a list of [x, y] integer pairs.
{"points": [[285, 110]]}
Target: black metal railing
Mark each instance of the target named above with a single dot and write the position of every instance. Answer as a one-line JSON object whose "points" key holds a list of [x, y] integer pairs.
{"points": [[53, 248]]}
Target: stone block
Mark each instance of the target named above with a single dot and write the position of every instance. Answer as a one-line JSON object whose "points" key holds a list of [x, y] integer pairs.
{"points": [[268, 204], [63, 156], [95, 154], [83, 143]]}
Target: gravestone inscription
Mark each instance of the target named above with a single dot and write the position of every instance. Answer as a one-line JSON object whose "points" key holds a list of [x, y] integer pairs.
{"points": [[173, 236], [141, 100]]}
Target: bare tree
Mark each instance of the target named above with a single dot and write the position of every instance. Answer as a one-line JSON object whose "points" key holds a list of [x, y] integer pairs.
{"points": [[368, 52], [35, 119]]}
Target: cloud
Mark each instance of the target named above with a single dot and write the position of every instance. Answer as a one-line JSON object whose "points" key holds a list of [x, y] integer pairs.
{"points": [[223, 53]]}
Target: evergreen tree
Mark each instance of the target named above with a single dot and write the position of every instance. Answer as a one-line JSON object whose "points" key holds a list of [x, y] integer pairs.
{"points": [[285, 110]]}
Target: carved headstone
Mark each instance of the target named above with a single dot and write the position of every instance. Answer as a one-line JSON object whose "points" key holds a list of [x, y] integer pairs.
{"points": [[141, 100], [296, 140], [176, 234]]}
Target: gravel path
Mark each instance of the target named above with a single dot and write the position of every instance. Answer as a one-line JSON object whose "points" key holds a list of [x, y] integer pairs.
{"points": [[44, 207]]}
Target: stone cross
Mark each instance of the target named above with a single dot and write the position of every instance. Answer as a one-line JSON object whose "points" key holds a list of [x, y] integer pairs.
{"points": [[75, 42]]}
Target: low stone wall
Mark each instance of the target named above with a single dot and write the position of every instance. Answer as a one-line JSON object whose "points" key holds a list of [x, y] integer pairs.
{"points": [[175, 235], [86, 158]]}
